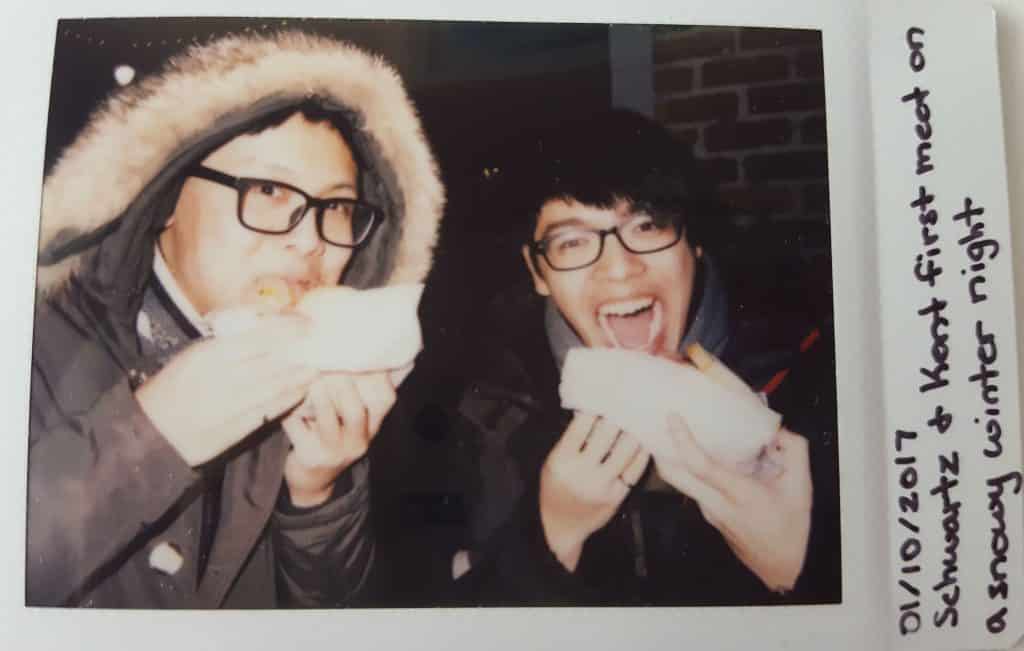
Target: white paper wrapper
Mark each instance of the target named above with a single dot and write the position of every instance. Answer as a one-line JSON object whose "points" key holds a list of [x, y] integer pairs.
{"points": [[352, 330], [637, 392], [356, 331]]}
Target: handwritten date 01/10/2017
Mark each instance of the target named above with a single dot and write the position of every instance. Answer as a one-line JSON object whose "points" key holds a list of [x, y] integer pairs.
{"points": [[910, 547]]}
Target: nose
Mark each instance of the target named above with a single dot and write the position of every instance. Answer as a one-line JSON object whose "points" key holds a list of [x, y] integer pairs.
{"points": [[304, 238], [616, 262]]}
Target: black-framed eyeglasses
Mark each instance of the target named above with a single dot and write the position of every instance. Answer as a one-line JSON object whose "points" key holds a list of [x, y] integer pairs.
{"points": [[276, 208], [575, 248]]}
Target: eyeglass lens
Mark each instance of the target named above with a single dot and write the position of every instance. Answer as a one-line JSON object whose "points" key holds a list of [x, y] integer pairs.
{"points": [[275, 208], [575, 248]]}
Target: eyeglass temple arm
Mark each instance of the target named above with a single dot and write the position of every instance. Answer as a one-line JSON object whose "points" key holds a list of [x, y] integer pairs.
{"points": [[213, 175]]}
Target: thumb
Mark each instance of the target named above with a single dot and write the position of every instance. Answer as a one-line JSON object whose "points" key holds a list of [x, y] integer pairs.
{"points": [[794, 452], [681, 436], [792, 447]]}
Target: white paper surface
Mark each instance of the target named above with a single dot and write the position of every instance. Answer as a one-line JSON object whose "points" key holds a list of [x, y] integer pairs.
{"points": [[949, 341]]}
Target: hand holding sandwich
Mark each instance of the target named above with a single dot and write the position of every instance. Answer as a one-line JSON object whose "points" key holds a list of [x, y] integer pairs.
{"points": [[219, 390], [332, 429], [585, 478], [712, 438], [765, 520]]}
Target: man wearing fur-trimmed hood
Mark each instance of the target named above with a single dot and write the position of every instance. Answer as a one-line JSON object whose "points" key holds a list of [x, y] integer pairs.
{"points": [[160, 470]]}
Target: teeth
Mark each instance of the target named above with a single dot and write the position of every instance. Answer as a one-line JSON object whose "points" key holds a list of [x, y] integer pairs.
{"points": [[625, 307], [655, 325], [639, 304]]}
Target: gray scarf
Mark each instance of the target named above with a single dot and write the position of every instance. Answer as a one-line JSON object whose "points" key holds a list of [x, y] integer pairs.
{"points": [[163, 331], [710, 326]]}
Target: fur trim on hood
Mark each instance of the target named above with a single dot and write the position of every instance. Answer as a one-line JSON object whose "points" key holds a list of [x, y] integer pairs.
{"points": [[144, 135]]}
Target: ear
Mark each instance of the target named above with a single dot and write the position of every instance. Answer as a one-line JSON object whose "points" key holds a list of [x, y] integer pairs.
{"points": [[539, 284]]}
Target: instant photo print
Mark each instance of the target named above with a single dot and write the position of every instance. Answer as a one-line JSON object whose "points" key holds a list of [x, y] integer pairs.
{"points": [[696, 326]]}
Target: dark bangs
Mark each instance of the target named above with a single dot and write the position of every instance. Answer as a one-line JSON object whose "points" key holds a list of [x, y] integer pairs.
{"points": [[618, 155], [315, 110]]}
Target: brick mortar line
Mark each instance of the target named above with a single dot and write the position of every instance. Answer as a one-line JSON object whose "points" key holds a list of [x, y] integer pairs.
{"points": [[741, 155], [768, 149], [701, 124], [731, 88], [790, 51]]}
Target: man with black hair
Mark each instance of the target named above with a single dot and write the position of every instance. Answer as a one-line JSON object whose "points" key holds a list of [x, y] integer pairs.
{"points": [[570, 510], [163, 469]]}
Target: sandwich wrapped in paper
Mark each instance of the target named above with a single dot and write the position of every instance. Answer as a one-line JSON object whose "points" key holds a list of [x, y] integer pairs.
{"points": [[637, 392], [351, 330]]}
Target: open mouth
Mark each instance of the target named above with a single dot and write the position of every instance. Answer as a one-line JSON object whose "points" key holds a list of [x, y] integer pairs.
{"points": [[634, 324], [277, 292]]}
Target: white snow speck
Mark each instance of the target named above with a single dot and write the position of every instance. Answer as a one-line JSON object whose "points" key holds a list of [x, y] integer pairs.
{"points": [[166, 558], [144, 326], [124, 74]]}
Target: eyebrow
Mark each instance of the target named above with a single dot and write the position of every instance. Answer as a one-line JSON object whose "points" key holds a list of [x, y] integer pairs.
{"points": [[344, 185], [578, 222], [575, 222], [277, 168]]}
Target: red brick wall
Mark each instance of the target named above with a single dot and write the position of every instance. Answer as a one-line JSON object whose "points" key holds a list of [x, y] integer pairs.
{"points": [[752, 103]]}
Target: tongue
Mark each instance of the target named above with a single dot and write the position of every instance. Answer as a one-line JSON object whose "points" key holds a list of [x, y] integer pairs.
{"points": [[632, 331]]}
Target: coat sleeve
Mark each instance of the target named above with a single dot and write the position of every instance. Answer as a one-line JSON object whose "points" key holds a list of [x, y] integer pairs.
{"points": [[515, 567], [807, 399], [820, 580], [325, 554], [511, 563], [98, 478]]}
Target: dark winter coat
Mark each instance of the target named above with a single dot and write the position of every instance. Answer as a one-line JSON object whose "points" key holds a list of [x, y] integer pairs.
{"points": [[657, 549], [106, 491]]}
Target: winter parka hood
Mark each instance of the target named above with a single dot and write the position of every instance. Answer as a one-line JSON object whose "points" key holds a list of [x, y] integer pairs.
{"points": [[102, 203]]}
